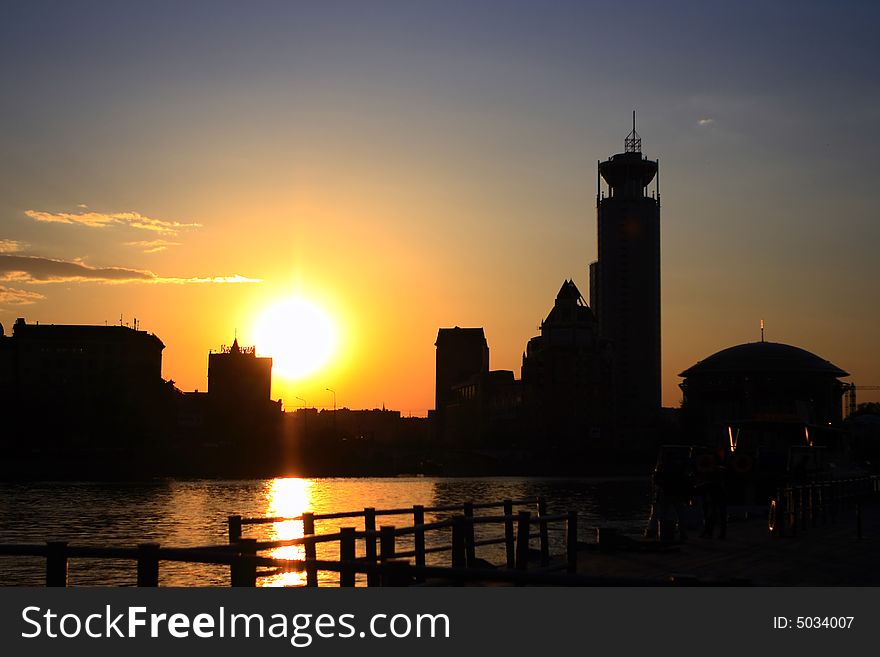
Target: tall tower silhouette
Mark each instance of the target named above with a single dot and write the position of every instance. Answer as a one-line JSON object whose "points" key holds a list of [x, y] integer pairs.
{"points": [[625, 284]]}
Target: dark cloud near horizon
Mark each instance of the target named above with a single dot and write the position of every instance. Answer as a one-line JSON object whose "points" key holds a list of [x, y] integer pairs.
{"points": [[49, 270], [37, 269]]}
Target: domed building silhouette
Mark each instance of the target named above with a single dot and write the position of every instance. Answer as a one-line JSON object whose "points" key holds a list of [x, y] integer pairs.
{"points": [[759, 381]]}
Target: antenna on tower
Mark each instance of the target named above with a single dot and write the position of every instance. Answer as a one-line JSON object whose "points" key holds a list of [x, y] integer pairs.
{"points": [[633, 143], [762, 330]]}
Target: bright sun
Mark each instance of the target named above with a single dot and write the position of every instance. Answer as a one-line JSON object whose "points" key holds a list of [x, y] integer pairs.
{"points": [[298, 335]]}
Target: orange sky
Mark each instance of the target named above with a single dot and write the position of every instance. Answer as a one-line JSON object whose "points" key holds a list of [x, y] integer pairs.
{"points": [[420, 168]]}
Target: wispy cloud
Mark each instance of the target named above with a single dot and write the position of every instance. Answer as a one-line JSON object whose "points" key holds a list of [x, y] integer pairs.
{"points": [[236, 278], [11, 246], [705, 121], [36, 269], [11, 297], [153, 246], [105, 219]]}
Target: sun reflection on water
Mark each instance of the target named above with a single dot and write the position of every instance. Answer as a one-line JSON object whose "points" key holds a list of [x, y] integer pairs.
{"points": [[287, 498]]}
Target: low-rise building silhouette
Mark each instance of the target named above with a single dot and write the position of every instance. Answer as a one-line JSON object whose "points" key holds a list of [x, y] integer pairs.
{"points": [[70, 386]]}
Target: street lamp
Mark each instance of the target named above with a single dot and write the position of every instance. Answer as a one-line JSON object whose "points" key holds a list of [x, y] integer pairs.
{"points": [[334, 398], [334, 410], [303, 401]]}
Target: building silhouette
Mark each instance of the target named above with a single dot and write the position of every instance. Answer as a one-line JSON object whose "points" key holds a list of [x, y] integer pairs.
{"points": [[462, 353], [79, 386], [625, 286], [240, 412], [485, 410], [566, 372], [86, 361], [238, 376], [759, 382]]}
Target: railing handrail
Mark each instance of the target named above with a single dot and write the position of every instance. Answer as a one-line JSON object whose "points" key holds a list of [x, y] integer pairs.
{"points": [[389, 512]]}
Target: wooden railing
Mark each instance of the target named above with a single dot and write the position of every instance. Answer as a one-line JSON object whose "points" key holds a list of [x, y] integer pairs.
{"points": [[381, 562], [380, 544]]}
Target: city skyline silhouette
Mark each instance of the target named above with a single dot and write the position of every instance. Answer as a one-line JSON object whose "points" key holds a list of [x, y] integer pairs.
{"points": [[404, 185]]}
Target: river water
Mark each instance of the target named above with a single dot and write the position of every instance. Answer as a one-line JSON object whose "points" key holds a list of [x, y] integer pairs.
{"points": [[180, 513]]}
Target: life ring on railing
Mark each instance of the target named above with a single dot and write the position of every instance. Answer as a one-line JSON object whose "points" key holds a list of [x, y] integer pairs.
{"points": [[706, 463], [743, 463]]}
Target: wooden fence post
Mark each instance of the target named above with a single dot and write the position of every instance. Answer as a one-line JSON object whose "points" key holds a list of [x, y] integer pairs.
{"points": [[469, 535], [56, 563], [395, 572], [308, 520], [508, 534], [148, 564], [234, 523], [542, 531], [522, 540], [243, 571], [386, 543], [419, 538], [571, 542], [370, 543], [346, 556], [459, 560]]}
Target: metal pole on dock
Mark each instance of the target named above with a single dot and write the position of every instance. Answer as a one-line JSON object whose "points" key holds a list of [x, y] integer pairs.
{"points": [[370, 543], [419, 538], [56, 563], [148, 565], [542, 531], [522, 540], [469, 537], [459, 559], [508, 534]]}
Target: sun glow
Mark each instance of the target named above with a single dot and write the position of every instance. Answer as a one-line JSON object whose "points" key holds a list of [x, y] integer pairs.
{"points": [[300, 337]]}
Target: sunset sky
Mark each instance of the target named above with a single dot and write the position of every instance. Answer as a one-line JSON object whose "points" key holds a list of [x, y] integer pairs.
{"points": [[411, 165]]}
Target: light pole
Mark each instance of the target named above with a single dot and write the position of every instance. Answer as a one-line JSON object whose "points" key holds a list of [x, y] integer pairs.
{"points": [[334, 411], [303, 401], [334, 399]]}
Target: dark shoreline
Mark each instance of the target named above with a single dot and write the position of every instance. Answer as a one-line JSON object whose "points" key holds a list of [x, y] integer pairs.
{"points": [[134, 467]]}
